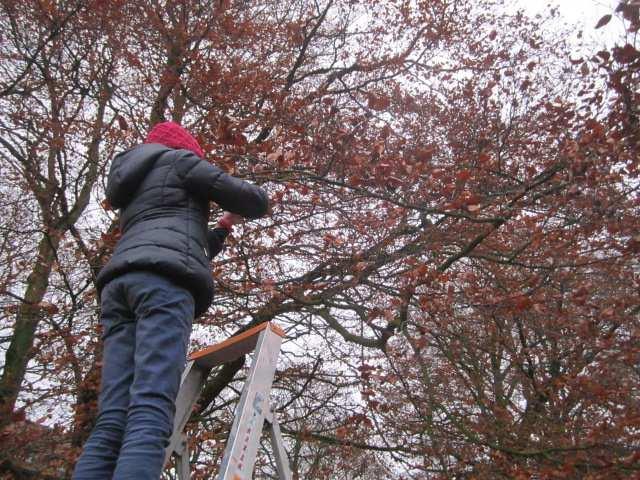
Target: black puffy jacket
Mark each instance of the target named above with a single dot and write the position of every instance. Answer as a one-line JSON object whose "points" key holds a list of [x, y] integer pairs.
{"points": [[163, 196]]}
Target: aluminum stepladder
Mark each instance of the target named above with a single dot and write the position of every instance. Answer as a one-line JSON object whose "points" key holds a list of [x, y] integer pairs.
{"points": [[252, 409]]}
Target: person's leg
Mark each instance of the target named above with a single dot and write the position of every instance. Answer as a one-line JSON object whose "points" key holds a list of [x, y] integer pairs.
{"points": [[164, 313], [98, 459]]}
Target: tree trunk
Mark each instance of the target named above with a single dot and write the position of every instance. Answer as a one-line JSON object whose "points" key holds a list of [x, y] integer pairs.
{"points": [[28, 316]]}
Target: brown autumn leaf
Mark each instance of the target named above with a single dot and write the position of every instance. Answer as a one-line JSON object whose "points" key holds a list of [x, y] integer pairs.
{"points": [[49, 307], [463, 175], [122, 123], [603, 21], [626, 54], [106, 205], [584, 69], [275, 156]]}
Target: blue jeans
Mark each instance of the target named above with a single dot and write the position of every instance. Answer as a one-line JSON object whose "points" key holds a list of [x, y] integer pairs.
{"points": [[147, 322]]}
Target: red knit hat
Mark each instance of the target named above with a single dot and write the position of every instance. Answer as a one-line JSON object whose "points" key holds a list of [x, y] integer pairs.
{"points": [[173, 135]]}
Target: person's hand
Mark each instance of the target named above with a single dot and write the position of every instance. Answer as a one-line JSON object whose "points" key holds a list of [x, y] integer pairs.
{"points": [[229, 219], [233, 217]]}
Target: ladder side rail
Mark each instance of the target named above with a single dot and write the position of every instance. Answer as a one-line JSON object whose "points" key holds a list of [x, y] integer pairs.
{"points": [[193, 379], [280, 454], [183, 469], [244, 437]]}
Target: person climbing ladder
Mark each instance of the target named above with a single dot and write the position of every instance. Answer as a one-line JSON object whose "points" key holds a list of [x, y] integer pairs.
{"points": [[157, 281]]}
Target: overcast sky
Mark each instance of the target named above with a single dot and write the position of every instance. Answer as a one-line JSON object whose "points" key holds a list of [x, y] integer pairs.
{"points": [[587, 12], [584, 14]]}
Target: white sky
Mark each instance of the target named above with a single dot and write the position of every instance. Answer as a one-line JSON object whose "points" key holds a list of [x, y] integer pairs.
{"points": [[584, 14], [589, 11]]}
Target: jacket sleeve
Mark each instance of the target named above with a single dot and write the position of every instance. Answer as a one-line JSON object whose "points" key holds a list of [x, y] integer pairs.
{"points": [[231, 193], [215, 240]]}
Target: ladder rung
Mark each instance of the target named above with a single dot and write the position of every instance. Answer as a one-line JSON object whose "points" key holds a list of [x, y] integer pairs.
{"points": [[232, 348]]}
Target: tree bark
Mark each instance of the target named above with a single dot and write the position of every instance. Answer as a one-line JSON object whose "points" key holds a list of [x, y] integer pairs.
{"points": [[28, 316]]}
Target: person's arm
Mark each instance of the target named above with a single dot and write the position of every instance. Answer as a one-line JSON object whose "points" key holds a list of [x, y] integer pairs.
{"points": [[215, 240], [231, 193], [217, 236]]}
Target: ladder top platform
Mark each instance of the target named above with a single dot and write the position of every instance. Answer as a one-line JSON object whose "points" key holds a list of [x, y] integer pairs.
{"points": [[234, 347]]}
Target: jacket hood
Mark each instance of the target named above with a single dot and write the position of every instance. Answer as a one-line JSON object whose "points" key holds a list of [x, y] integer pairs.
{"points": [[128, 170]]}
